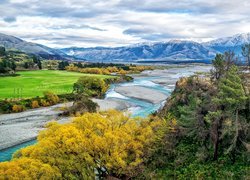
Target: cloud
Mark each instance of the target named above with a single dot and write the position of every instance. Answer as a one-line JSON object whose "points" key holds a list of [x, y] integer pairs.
{"points": [[73, 26], [60, 23]]}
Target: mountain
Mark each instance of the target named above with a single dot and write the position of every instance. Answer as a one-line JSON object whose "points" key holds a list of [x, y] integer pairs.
{"points": [[11, 42], [233, 43], [174, 50], [171, 51]]}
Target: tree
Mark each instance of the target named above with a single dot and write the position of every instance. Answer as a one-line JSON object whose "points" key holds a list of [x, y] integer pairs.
{"points": [[37, 61], [218, 67], [246, 53], [26, 65], [222, 63], [39, 64], [62, 65], [230, 59], [95, 144], [2, 51], [90, 86], [79, 65], [225, 121], [13, 65], [6, 66], [26, 168]]}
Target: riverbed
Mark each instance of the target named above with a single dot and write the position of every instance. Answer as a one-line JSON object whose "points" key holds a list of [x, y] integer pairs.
{"points": [[145, 95]]}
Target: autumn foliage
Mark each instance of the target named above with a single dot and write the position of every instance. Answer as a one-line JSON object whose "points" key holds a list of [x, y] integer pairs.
{"points": [[108, 70], [51, 97], [35, 104], [18, 108], [95, 144], [26, 168]]}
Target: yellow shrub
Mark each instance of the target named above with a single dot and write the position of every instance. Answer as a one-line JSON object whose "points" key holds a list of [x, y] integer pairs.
{"points": [[27, 168], [108, 139], [35, 104], [44, 103], [122, 72], [51, 97], [18, 108]]}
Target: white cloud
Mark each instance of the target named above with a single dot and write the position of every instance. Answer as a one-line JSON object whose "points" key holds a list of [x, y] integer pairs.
{"points": [[121, 22]]}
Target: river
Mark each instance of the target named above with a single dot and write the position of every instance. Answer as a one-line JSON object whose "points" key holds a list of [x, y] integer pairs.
{"points": [[145, 95]]}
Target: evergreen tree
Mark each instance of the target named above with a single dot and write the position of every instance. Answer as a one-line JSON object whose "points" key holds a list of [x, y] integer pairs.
{"points": [[62, 65], [26, 65], [218, 67], [2, 51], [7, 66], [226, 125], [39, 64]]}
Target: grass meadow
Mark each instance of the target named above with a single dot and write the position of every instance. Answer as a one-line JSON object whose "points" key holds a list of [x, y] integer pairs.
{"points": [[34, 83]]}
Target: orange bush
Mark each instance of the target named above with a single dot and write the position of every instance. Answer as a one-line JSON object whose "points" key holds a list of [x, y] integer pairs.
{"points": [[35, 104], [18, 108]]}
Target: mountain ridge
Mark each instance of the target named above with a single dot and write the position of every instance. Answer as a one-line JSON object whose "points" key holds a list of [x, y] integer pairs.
{"points": [[172, 50], [167, 50], [188, 50]]}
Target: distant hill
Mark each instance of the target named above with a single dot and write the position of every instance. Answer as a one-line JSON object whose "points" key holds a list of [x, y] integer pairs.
{"points": [[11, 42]]}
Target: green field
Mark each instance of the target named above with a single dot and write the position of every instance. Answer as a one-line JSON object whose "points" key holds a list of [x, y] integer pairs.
{"points": [[34, 83]]}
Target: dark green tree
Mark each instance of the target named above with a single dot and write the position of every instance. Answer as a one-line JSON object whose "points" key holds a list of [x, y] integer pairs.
{"points": [[37, 61], [7, 66], [62, 65], [78, 65], [2, 51], [26, 65], [218, 67], [39, 64], [226, 123]]}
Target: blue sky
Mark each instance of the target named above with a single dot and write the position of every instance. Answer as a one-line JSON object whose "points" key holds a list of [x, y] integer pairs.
{"points": [[86, 23]]}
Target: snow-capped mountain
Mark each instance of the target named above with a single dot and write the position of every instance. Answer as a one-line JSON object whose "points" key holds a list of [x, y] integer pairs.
{"points": [[236, 40], [172, 50], [233, 43]]}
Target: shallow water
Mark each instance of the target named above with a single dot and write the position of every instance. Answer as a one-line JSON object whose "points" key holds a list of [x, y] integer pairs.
{"points": [[138, 107], [6, 154]]}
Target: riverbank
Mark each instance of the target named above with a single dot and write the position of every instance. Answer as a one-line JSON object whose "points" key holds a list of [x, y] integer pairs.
{"points": [[17, 128]]}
